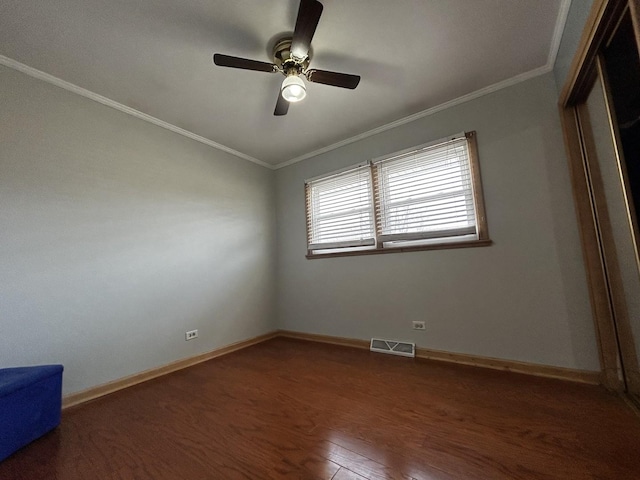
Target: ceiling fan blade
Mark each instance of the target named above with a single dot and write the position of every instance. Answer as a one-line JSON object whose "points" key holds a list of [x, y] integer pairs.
{"points": [[243, 63], [335, 79], [308, 18], [282, 106]]}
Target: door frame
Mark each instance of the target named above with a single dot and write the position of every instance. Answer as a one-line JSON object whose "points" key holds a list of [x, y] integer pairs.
{"points": [[613, 330]]}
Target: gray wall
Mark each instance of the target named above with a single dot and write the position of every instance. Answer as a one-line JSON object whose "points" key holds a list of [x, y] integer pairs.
{"points": [[117, 236], [578, 14], [524, 298]]}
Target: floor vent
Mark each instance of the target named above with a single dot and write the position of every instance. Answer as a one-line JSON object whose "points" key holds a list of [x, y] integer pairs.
{"points": [[405, 349]]}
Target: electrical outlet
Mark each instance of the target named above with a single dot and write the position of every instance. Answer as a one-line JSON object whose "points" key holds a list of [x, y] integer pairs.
{"points": [[191, 334], [419, 326]]}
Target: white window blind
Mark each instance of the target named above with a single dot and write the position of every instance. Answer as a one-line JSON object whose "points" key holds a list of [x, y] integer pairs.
{"points": [[426, 193], [340, 210], [415, 199]]}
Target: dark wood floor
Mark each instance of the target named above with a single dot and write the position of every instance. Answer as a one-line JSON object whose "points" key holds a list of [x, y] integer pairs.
{"points": [[297, 410]]}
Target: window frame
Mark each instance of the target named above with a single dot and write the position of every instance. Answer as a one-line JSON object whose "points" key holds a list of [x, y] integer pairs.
{"points": [[402, 246]]}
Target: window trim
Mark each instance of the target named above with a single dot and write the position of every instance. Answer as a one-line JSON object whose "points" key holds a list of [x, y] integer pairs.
{"points": [[482, 231]]}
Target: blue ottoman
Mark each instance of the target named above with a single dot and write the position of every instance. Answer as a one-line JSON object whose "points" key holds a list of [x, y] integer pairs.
{"points": [[30, 402]]}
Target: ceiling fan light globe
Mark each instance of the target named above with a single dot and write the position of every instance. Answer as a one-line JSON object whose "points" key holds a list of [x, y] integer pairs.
{"points": [[293, 89]]}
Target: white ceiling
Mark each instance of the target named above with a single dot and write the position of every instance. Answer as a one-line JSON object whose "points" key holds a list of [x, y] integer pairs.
{"points": [[155, 56]]}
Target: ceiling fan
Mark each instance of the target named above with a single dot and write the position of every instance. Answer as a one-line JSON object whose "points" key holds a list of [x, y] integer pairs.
{"points": [[291, 57]]}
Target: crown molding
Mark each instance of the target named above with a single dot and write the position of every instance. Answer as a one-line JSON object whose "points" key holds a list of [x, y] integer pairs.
{"points": [[424, 113], [58, 82], [551, 59], [83, 92]]}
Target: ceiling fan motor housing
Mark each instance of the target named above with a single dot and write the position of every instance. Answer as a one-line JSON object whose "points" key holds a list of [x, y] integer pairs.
{"points": [[288, 64]]}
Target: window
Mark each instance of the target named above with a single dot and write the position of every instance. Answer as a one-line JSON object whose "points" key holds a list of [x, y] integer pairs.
{"points": [[425, 197], [340, 210]]}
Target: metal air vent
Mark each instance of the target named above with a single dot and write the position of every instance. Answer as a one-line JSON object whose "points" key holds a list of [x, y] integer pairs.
{"points": [[405, 349]]}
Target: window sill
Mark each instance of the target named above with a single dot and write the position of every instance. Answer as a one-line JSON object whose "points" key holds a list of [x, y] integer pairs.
{"points": [[417, 248]]}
